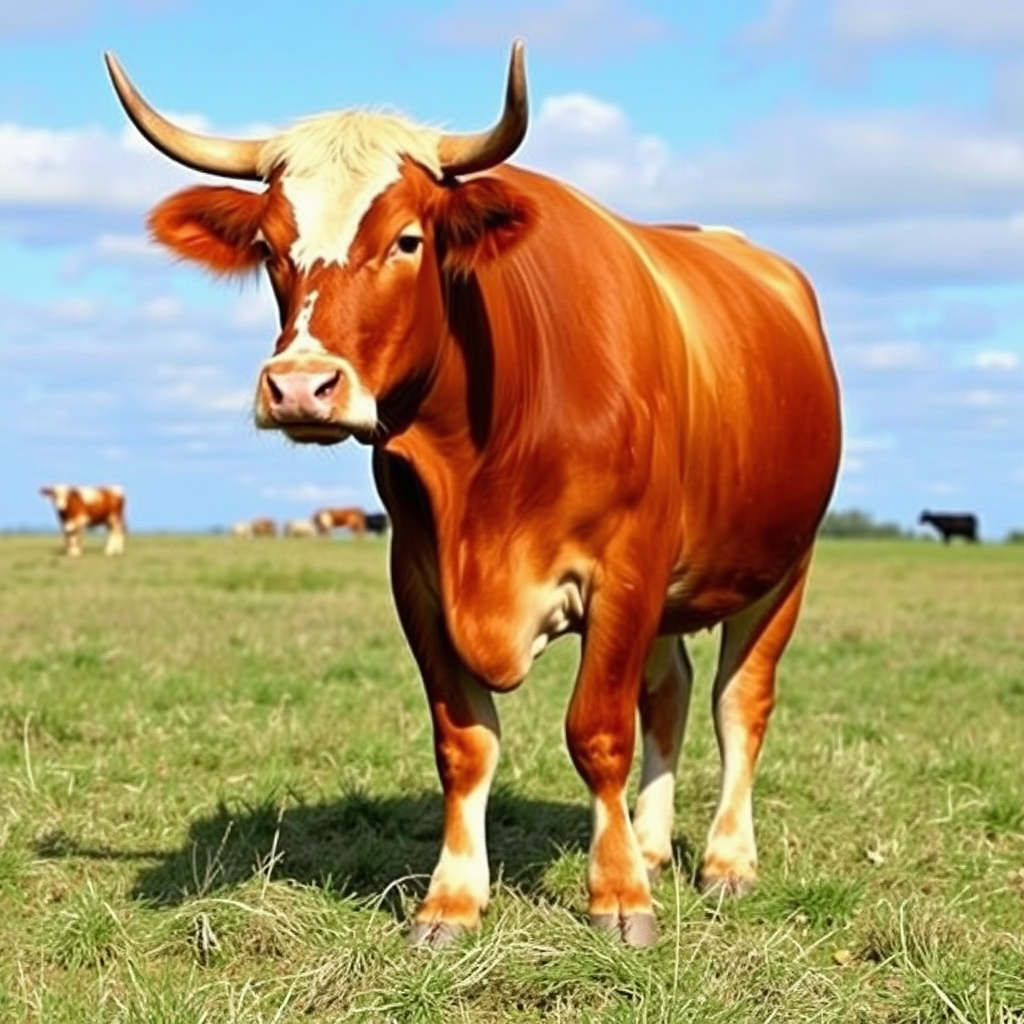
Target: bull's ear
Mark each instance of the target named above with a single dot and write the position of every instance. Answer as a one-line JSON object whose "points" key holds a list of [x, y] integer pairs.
{"points": [[479, 220], [214, 225]]}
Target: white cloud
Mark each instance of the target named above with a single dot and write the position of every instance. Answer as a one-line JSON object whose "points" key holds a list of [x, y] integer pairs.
{"points": [[575, 28], [982, 398], [78, 310], [825, 29], [895, 355], [863, 194], [996, 359], [865, 445], [198, 388], [83, 185], [51, 168], [980, 24], [255, 310], [63, 17], [161, 309], [45, 16], [312, 494]]}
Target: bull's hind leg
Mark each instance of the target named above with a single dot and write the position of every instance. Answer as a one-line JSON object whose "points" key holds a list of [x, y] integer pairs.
{"points": [[743, 697], [664, 705], [115, 539]]}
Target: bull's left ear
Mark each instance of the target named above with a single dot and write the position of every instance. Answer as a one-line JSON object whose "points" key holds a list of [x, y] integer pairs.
{"points": [[479, 220]]}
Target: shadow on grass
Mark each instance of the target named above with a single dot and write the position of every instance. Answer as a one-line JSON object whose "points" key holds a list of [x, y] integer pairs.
{"points": [[357, 846]]}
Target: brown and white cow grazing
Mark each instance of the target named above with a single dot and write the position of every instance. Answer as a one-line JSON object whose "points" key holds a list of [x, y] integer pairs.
{"points": [[299, 528], [263, 527], [327, 520], [579, 424], [246, 529], [79, 508]]}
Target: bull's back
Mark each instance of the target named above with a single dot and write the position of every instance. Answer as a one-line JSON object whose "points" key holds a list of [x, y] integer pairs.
{"points": [[703, 350]]}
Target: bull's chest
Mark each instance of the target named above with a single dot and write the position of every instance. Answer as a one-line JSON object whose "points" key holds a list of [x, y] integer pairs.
{"points": [[503, 603]]}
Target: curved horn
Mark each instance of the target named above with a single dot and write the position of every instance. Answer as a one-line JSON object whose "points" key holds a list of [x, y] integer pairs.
{"points": [[231, 158], [464, 154]]}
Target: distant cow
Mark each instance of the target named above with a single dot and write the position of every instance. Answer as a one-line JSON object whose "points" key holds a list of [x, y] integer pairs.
{"points": [[242, 529], [952, 524], [263, 527], [299, 528], [79, 508], [377, 522], [327, 520]]}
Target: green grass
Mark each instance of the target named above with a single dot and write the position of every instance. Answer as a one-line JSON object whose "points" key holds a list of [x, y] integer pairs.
{"points": [[219, 804]]}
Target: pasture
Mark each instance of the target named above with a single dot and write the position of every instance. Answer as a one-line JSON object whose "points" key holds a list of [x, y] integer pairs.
{"points": [[219, 802]]}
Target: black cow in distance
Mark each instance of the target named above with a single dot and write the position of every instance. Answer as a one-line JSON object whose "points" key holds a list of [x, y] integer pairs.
{"points": [[952, 524]]}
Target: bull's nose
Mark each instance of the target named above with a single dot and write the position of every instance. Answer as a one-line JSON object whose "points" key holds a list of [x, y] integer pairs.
{"points": [[299, 395]]}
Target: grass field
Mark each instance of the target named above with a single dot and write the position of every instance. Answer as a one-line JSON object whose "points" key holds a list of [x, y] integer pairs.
{"points": [[218, 803]]}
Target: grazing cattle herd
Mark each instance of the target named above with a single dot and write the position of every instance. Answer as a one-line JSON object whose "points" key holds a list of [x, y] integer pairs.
{"points": [[322, 523], [80, 508]]}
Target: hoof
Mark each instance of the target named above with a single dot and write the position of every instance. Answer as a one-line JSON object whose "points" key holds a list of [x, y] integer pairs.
{"points": [[721, 887], [636, 930], [435, 934]]}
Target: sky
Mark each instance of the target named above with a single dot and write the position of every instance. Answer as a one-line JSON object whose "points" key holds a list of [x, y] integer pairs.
{"points": [[877, 143]]}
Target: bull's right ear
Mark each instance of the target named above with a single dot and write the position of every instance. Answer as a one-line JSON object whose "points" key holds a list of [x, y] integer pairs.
{"points": [[215, 225]]}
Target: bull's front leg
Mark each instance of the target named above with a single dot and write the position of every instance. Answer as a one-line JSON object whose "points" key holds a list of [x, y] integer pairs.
{"points": [[466, 744], [73, 531], [600, 731]]}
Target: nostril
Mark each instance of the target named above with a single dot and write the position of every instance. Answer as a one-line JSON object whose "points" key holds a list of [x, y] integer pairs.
{"points": [[325, 389], [276, 394]]}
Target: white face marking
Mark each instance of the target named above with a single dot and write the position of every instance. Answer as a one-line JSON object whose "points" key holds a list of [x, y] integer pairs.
{"points": [[304, 340], [362, 406], [328, 211], [60, 496]]}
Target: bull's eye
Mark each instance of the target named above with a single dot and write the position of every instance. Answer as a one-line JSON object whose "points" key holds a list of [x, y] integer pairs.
{"points": [[406, 245]]}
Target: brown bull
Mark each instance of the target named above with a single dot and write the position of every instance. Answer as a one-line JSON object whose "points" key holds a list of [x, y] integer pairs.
{"points": [[579, 424]]}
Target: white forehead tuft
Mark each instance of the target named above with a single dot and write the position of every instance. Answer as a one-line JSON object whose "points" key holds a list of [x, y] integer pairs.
{"points": [[335, 165]]}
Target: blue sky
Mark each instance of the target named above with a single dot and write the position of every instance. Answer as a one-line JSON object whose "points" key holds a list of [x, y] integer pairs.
{"points": [[878, 143]]}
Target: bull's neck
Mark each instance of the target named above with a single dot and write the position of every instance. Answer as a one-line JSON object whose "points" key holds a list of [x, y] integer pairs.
{"points": [[459, 422]]}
